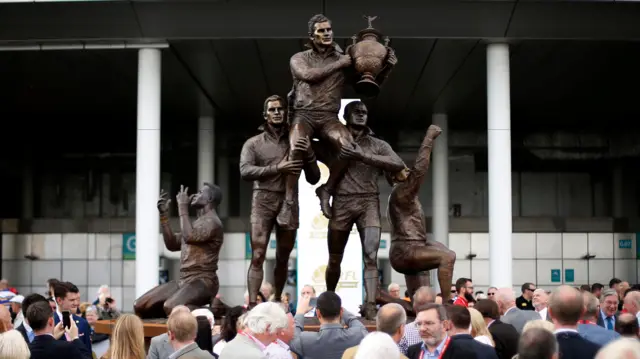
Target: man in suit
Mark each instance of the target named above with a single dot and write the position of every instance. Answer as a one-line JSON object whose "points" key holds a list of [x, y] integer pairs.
{"points": [[566, 307], [160, 347], [182, 328], [24, 328], [424, 295], [504, 335], [391, 320], [67, 298], [540, 303], [538, 343], [588, 328], [608, 309], [44, 344], [511, 314], [260, 328], [462, 344], [333, 338]]}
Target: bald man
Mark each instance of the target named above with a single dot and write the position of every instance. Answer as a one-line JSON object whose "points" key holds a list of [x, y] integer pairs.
{"points": [[5, 319], [566, 307], [391, 319], [506, 300], [632, 304], [160, 347]]}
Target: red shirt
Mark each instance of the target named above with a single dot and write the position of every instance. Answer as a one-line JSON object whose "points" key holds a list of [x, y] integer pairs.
{"points": [[461, 300]]}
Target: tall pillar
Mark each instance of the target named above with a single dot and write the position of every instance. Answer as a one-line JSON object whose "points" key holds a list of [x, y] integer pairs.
{"points": [[148, 170], [440, 175], [499, 145], [206, 150]]}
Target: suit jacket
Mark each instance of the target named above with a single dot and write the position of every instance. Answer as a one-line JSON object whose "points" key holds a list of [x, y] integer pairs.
{"points": [[84, 330], [600, 320], [518, 318], [192, 351], [330, 341], [47, 347], [23, 331], [573, 346], [506, 338], [597, 334], [160, 348], [460, 346], [241, 347], [351, 353]]}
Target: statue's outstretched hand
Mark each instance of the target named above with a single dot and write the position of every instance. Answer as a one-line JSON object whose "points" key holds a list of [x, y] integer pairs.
{"points": [[392, 59], [183, 197], [163, 202]]}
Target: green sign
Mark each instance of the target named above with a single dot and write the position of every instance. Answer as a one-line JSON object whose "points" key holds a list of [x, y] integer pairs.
{"points": [[383, 243], [624, 243], [555, 276], [129, 246], [569, 275]]}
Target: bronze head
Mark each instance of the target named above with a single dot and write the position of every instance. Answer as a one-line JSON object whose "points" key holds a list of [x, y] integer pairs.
{"points": [[274, 110], [356, 114], [209, 194], [320, 32], [398, 177]]}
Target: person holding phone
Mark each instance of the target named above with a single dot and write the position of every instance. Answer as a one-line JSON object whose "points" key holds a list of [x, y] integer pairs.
{"points": [[67, 297]]}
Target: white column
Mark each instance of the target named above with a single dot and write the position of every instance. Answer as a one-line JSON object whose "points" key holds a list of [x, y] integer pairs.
{"points": [[440, 175], [206, 150], [499, 144], [148, 170]]}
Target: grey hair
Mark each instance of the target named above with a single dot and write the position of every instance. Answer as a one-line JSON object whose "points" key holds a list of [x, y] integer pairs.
{"points": [[266, 317], [620, 349], [592, 305], [390, 318], [377, 345], [537, 343], [12, 345], [420, 295], [608, 293]]}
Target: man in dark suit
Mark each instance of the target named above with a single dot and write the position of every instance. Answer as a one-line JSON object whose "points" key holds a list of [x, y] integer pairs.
{"points": [[24, 328], [566, 307], [608, 309], [505, 336], [538, 343], [68, 299], [44, 344]]}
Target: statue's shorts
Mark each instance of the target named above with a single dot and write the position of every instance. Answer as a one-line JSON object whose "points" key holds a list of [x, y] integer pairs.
{"points": [[265, 206], [320, 124], [363, 210]]}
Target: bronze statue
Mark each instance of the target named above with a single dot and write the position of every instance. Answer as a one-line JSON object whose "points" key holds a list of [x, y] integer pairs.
{"points": [[318, 77], [356, 201], [199, 245], [264, 160], [369, 56], [412, 253]]}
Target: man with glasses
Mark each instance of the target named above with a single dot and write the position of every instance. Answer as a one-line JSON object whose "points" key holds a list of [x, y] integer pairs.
{"points": [[524, 302], [464, 290]]}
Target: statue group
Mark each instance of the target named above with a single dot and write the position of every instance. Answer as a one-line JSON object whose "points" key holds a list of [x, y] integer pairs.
{"points": [[274, 159]]}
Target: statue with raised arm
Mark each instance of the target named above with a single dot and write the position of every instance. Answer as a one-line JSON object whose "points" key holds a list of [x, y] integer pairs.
{"points": [[319, 75], [356, 201], [412, 253], [265, 161], [199, 244]]}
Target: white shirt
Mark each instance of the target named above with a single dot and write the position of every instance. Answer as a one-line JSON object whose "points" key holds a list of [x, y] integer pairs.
{"points": [[564, 330], [484, 340], [543, 313], [19, 319], [277, 350]]}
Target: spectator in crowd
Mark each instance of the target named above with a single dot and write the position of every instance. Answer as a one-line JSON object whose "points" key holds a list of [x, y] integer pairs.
{"points": [[432, 323], [540, 303], [596, 289], [377, 345], [16, 308], [127, 339], [538, 343], [539, 323], [464, 290], [182, 328], [24, 328], [103, 293], [608, 308], [479, 329], [67, 298], [5, 319], [160, 347], [423, 295], [491, 293], [333, 338], [504, 335], [588, 327], [53, 341], [627, 325], [394, 290], [279, 349], [390, 320], [462, 344], [565, 308], [229, 328], [523, 302], [511, 314], [632, 303], [625, 348], [261, 327], [91, 315], [203, 334], [13, 346]]}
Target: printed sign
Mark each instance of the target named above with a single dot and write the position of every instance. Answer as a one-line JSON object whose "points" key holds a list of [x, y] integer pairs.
{"points": [[555, 276], [383, 243], [624, 243], [569, 275], [129, 246]]}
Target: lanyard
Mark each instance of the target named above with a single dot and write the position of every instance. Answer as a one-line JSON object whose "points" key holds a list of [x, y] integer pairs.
{"points": [[444, 348], [259, 343]]}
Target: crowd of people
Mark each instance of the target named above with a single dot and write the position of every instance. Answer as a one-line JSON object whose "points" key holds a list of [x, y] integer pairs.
{"points": [[587, 322]]}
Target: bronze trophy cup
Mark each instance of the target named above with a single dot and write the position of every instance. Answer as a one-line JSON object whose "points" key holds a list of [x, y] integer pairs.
{"points": [[368, 56]]}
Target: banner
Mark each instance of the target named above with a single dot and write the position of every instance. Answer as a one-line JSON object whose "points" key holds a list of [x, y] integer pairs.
{"points": [[313, 253]]}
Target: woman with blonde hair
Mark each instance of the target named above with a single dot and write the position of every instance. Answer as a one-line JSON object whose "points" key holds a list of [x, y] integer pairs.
{"points": [[479, 329], [13, 346], [127, 339], [539, 323]]}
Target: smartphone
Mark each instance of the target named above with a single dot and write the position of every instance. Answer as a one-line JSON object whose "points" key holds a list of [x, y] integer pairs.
{"points": [[109, 300], [66, 319], [313, 302]]}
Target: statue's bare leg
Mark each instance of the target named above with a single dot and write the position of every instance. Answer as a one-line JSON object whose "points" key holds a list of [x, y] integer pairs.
{"points": [[370, 239], [285, 219], [337, 242], [337, 135], [150, 305], [260, 233], [194, 294], [285, 241], [415, 281]]}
